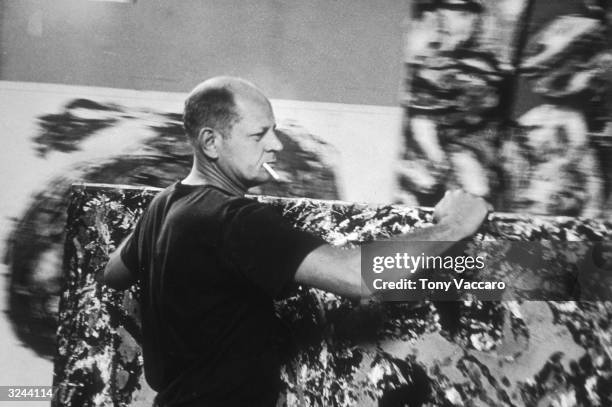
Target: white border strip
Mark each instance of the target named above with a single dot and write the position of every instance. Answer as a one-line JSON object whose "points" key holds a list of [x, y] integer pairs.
{"points": [[147, 95]]}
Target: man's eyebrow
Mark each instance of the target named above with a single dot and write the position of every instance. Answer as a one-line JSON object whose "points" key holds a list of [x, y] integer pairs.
{"points": [[264, 130]]}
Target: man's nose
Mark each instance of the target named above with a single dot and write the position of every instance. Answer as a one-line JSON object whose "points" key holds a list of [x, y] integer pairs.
{"points": [[274, 144]]}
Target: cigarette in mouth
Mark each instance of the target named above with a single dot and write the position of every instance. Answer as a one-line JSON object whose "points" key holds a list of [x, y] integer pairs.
{"points": [[271, 171]]}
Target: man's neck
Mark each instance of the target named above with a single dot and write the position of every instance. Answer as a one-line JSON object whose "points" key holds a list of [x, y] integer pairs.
{"points": [[211, 174]]}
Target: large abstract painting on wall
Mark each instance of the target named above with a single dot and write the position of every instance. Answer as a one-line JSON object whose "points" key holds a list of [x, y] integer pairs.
{"points": [[509, 99]]}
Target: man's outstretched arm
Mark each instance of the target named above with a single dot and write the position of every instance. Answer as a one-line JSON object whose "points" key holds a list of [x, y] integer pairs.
{"points": [[457, 216]]}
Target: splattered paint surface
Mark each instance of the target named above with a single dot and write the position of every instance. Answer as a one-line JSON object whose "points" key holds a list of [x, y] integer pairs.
{"points": [[348, 353]]}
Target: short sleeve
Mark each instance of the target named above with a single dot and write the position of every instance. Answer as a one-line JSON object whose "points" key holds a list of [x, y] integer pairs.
{"points": [[263, 246], [129, 252]]}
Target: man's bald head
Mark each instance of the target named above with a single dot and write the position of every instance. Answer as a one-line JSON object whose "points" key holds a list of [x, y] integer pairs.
{"points": [[215, 102]]}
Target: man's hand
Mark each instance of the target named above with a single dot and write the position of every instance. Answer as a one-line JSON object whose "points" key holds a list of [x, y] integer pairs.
{"points": [[461, 212]]}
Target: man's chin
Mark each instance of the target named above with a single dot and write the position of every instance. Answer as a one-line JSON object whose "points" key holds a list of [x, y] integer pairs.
{"points": [[259, 181]]}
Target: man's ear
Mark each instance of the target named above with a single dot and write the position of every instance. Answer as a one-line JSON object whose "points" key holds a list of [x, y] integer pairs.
{"points": [[206, 142]]}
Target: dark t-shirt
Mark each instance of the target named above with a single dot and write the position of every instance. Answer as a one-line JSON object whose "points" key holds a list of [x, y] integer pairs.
{"points": [[209, 266]]}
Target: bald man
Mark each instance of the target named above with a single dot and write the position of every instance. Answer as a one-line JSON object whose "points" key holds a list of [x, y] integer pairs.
{"points": [[210, 262]]}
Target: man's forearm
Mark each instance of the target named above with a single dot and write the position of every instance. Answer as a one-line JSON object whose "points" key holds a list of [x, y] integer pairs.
{"points": [[339, 270], [430, 241], [458, 215], [435, 233]]}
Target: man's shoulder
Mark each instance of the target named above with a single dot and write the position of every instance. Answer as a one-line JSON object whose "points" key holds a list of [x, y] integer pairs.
{"points": [[207, 203], [204, 201]]}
